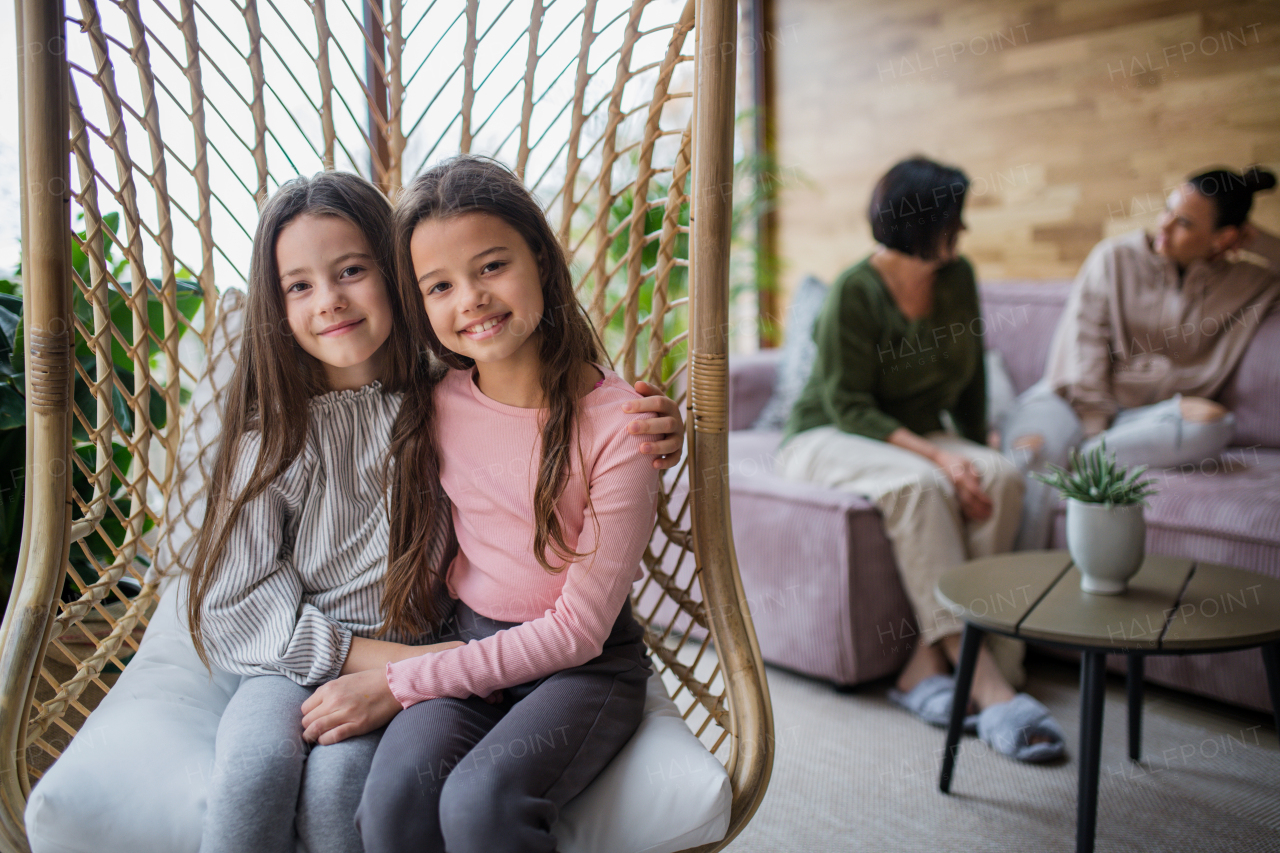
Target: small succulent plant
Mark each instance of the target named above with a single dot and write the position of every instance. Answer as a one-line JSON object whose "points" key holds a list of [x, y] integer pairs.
{"points": [[1096, 478]]}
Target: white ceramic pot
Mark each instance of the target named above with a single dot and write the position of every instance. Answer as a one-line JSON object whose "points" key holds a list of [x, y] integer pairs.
{"points": [[1107, 544]]}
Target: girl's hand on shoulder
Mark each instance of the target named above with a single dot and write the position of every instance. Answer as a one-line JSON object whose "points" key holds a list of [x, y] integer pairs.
{"points": [[667, 427], [348, 706]]}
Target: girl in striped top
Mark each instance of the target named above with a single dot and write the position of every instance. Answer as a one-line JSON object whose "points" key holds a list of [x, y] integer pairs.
{"points": [[553, 510], [315, 472]]}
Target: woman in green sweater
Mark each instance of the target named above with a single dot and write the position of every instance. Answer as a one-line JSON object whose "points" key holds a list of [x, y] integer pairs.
{"points": [[895, 409]]}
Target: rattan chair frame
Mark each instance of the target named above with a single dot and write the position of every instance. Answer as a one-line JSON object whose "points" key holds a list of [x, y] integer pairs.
{"points": [[696, 620]]}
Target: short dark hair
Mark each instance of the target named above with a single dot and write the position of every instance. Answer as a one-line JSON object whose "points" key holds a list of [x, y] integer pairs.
{"points": [[1232, 192], [916, 206]]}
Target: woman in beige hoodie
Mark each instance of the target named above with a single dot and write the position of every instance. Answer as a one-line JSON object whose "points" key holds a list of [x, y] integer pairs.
{"points": [[1154, 326]]}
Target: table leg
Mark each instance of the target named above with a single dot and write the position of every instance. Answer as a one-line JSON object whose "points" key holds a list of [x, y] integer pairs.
{"points": [[1093, 684], [969, 645], [1271, 660], [1135, 706]]}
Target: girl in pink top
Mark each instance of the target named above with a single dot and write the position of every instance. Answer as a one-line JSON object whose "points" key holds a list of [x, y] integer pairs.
{"points": [[552, 509]]}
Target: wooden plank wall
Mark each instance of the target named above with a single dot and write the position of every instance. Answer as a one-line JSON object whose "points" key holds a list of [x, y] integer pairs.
{"points": [[1072, 118]]}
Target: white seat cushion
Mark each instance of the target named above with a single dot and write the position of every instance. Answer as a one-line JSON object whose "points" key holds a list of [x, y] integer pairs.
{"points": [[134, 779]]}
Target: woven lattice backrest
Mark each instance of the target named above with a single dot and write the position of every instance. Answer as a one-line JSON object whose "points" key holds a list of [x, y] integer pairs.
{"points": [[182, 116]]}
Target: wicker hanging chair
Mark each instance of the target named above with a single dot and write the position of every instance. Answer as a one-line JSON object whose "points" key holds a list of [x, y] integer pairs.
{"points": [[151, 129]]}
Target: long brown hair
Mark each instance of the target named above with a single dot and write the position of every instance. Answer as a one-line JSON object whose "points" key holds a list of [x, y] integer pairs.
{"points": [[469, 184], [275, 378]]}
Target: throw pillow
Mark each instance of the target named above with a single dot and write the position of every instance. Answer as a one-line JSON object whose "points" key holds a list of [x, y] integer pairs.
{"points": [[798, 354], [1000, 390]]}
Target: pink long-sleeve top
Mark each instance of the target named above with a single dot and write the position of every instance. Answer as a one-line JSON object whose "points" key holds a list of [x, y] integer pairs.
{"points": [[489, 468]]}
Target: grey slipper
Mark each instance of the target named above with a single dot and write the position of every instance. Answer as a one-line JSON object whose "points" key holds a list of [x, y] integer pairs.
{"points": [[930, 700], [1008, 727]]}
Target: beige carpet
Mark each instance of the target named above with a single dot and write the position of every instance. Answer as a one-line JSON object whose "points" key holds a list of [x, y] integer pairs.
{"points": [[854, 773]]}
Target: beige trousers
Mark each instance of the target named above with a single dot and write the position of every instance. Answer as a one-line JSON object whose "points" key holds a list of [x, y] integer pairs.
{"points": [[921, 513]]}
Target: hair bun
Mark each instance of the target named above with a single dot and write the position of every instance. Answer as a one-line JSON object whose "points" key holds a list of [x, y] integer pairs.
{"points": [[1258, 179]]}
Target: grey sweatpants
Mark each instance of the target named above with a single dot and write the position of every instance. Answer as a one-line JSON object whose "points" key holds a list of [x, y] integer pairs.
{"points": [[265, 776], [1154, 435], [475, 777]]}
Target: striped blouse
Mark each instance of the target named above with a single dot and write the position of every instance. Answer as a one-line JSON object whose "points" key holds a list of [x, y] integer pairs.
{"points": [[304, 565]]}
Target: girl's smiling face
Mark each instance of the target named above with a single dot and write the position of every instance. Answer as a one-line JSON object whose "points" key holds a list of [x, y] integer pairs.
{"points": [[481, 286], [335, 298]]}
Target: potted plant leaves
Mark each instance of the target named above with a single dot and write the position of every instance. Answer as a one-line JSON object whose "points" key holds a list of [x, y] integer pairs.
{"points": [[1106, 531], [99, 549]]}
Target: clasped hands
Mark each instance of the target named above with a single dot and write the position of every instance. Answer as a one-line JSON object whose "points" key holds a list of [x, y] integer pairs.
{"points": [[360, 702], [975, 503]]}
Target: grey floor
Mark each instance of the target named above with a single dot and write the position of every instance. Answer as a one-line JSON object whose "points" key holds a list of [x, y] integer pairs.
{"points": [[854, 773]]}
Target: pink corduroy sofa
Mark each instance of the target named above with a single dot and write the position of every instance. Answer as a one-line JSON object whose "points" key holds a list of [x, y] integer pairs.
{"points": [[819, 573]]}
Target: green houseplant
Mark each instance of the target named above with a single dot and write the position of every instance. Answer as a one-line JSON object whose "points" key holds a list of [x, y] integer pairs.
{"points": [[1106, 531], [757, 178], [97, 548]]}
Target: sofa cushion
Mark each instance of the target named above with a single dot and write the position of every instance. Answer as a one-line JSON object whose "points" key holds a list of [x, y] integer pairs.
{"points": [[798, 354], [1223, 510], [753, 454], [1253, 393], [751, 379], [1020, 319]]}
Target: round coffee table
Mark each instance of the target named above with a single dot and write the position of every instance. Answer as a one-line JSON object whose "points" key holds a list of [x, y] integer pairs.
{"points": [[1173, 606]]}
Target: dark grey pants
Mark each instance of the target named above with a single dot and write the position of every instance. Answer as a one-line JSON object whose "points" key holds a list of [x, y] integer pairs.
{"points": [[466, 776]]}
